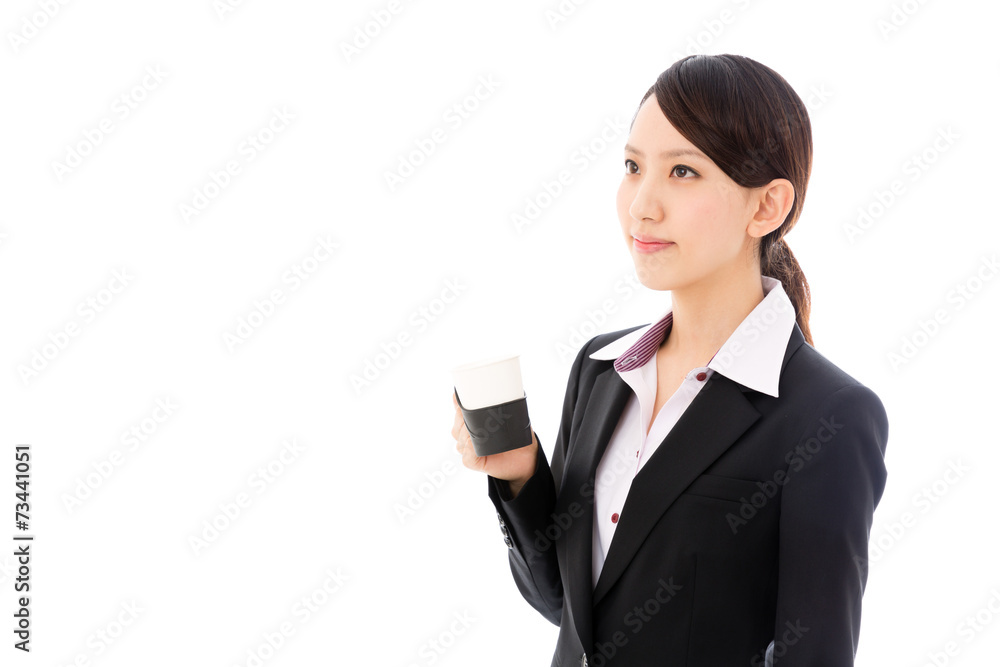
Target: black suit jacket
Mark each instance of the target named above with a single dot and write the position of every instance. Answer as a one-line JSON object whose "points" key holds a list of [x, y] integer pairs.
{"points": [[749, 524]]}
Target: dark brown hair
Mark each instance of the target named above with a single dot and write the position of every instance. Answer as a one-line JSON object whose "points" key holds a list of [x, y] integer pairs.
{"points": [[755, 127]]}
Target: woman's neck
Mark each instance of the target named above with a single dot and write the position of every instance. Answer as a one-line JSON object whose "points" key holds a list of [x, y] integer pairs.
{"points": [[706, 314]]}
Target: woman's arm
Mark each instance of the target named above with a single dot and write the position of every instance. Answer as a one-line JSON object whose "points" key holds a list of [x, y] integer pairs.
{"points": [[836, 475], [525, 517]]}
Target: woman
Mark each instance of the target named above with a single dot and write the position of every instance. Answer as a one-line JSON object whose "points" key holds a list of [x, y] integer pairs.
{"points": [[713, 480]]}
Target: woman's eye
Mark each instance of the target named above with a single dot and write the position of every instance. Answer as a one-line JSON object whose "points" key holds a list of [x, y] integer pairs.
{"points": [[684, 172]]}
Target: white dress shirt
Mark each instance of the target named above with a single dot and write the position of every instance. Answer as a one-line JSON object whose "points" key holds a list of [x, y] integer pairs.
{"points": [[751, 356]]}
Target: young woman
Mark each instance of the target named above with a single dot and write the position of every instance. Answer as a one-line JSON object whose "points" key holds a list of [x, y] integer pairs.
{"points": [[712, 484]]}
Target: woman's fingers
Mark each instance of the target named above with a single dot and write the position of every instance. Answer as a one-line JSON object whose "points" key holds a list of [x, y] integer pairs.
{"points": [[469, 458], [463, 441], [456, 430]]}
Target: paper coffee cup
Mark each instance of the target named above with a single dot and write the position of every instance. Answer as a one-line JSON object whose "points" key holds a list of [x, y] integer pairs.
{"points": [[493, 403], [489, 382]]}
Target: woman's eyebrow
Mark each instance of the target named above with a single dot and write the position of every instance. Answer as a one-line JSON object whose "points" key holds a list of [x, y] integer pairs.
{"points": [[666, 155]]}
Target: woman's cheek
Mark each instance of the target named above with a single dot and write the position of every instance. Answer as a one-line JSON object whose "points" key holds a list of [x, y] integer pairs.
{"points": [[623, 202], [622, 198]]}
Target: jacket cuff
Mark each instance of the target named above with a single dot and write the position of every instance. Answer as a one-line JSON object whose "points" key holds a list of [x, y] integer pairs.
{"points": [[529, 511]]}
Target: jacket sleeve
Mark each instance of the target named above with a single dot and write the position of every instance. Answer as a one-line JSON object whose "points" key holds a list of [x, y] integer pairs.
{"points": [[834, 481], [525, 518]]}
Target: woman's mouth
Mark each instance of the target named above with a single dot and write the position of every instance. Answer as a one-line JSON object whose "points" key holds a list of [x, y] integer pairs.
{"points": [[652, 246]]}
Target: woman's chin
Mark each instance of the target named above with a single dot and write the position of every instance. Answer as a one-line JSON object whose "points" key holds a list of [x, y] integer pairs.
{"points": [[657, 283]]}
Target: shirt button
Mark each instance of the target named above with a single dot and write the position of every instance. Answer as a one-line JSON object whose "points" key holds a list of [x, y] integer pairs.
{"points": [[614, 518], [700, 376]]}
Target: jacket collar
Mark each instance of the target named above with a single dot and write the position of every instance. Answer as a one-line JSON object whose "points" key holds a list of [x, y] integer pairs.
{"points": [[751, 356]]}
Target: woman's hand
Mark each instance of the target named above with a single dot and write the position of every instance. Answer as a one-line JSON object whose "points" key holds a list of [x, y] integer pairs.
{"points": [[516, 466]]}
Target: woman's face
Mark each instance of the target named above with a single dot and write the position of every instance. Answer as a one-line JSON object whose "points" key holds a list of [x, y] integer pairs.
{"points": [[684, 198]]}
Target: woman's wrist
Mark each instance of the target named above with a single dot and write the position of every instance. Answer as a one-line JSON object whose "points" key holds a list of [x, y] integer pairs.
{"points": [[515, 486]]}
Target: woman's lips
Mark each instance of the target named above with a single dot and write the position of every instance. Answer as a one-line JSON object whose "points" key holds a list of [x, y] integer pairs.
{"points": [[650, 247]]}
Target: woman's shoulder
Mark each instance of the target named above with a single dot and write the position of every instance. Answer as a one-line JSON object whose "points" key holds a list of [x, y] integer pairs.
{"points": [[814, 379]]}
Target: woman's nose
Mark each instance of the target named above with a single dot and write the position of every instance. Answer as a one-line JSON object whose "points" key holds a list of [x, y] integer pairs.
{"points": [[646, 205]]}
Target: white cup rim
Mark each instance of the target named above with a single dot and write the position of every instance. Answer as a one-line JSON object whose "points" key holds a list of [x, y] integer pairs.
{"points": [[484, 362]]}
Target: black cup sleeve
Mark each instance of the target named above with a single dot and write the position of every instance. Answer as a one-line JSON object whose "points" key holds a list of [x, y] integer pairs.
{"points": [[498, 428]]}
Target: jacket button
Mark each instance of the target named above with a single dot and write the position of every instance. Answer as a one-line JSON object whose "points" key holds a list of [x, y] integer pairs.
{"points": [[506, 540]]}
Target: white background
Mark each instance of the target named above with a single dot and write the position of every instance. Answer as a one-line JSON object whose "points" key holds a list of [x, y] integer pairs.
{"points": [[877, 100]]}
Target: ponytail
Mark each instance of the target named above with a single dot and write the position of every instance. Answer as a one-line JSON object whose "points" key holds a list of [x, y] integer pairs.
{"points": [[777, 261]]}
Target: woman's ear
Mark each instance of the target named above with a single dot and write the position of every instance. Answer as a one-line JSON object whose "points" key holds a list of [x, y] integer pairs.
{"points": [[772, 202]]}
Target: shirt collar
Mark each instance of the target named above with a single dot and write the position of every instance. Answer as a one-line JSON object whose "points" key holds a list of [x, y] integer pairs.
{"points": [[751, 356]]}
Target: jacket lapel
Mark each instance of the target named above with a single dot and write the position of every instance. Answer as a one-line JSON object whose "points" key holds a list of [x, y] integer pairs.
{"points": [[692, 445], [714, 421], [698, 439], [607, 402]]}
